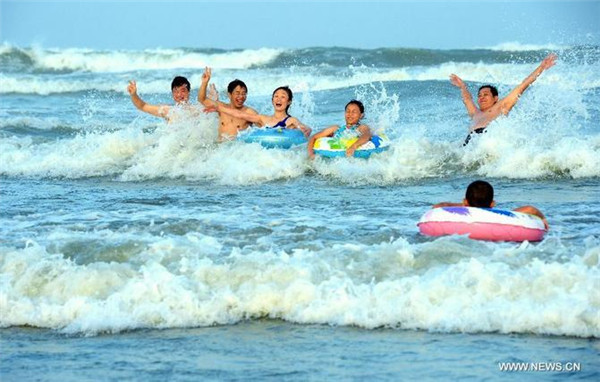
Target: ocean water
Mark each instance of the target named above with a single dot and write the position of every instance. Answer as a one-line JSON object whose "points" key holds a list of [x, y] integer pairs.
{"points": [[133, 249]]}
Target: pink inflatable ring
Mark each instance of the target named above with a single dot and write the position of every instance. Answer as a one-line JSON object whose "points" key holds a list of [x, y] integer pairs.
{"points": [[482, 224]]}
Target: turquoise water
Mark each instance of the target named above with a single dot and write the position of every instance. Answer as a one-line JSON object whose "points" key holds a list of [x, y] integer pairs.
{"points": [[275, 350]]}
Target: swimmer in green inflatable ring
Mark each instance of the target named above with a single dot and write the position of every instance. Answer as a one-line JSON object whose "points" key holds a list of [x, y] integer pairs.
{"points": [[353, 131]]}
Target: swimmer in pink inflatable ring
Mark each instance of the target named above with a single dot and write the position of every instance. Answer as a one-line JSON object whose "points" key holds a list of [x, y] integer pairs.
{"points": [[481, 194]]}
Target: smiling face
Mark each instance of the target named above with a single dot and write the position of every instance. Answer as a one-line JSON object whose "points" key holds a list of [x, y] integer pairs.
{"points": [[238, 96], [486, 99], [181, 94], [353, 114], [281, 100]]}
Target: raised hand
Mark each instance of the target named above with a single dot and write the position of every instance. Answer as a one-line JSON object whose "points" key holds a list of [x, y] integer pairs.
{"points": [[132, 88], [456, 81], [549, 61], [206, 75]]}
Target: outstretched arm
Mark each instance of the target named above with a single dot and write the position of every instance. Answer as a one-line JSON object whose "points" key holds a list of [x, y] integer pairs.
{"points": [[294, 123], [156, 110], [511, 99], [323, 133], [466, 95], [242, 114]]}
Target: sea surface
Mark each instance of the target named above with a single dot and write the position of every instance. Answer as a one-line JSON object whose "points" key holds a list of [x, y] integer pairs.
{"points": [[132, 249]]}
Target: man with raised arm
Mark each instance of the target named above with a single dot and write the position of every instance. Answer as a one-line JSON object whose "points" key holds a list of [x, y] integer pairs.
{"points": [[490, 107], [180, 90], [229, 126]]}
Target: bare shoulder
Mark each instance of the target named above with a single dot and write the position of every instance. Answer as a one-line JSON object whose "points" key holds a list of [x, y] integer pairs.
{"points": [[506, 104]]}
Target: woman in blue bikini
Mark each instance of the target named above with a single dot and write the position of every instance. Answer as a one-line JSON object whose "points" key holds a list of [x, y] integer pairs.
{"points": [[282, 99], [355, 110]]}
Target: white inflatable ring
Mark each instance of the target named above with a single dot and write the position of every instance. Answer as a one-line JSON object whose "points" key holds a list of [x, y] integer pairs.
{"points": [[482, 224]]}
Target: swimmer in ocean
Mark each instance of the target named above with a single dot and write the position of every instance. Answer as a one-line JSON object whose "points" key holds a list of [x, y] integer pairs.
{"points": [[229, 125], [480, 194], [490, 107], [180, 90]]}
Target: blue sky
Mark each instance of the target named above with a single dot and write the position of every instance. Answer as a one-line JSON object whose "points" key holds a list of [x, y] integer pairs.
{"points": [[294, 24]]}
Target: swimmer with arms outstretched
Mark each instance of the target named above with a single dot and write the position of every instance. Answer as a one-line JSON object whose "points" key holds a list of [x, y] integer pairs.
{"points": [[490, 107]]}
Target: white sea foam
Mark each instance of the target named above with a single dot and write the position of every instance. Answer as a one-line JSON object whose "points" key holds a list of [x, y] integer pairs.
{"points": [[174, 283], [102, 153], [262, 82], [226, 163], [188, 150], [514, 46], [31, 122], [75, 59], [578, 157]]}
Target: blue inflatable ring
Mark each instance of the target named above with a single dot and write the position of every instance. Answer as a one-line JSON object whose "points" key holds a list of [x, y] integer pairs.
{"points": [[277, 138]]}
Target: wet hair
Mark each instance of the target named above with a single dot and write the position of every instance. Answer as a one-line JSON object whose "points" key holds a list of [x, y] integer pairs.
{"points": [[289, 93], [234, 84], [178, 81], [493, 89], [360, 105], [480, 194]]}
